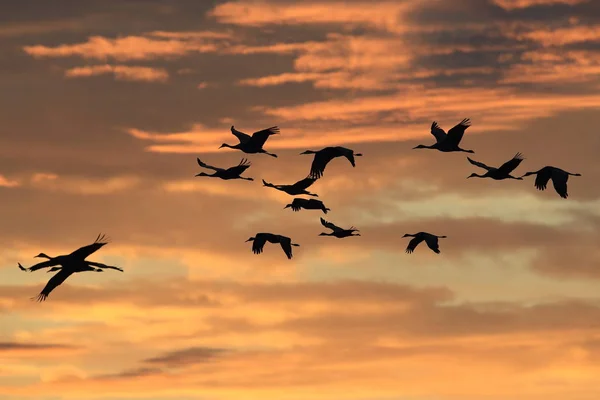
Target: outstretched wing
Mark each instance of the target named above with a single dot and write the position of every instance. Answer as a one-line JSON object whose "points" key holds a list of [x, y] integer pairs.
{"points": [[510, 165], [102, 266], [260, 137], [258, 244], [304, 183], [479, 164], [240, 168], [542, 178], [330, 225], [322, 157], [559, 181], [286, 245], [204, 165], [432, 243], [455, 134], [55, 281], [83, 252], [438, 132], [43, 264], [242, 137], [413, 244]]}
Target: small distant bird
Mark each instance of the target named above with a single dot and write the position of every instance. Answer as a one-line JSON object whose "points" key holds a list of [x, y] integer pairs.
{"points": [[297, 188], [71, 263], [323, 156], [308, 204], [260, 239], [448, 142], [226, 174], [498, 173], [337, 231], [431, 240], [559, 179], [252, 144]]}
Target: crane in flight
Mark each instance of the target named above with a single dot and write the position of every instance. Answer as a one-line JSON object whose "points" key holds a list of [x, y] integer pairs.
{"points": [[228, 173], [260, 239], [430, 239], [448, 142], [338, 232], [325, 155], [252, 144], [500, 173], [559, 179]]}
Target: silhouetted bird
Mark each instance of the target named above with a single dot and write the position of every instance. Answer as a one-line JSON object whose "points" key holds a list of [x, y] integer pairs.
{"points": [[431, 240], [450, 141], [71, 263], [90, 264], [498, 173], [559, 179], [295, 189], [308, 204], [337, 231], [252, 144], [323, 156], [260, 239], [226, 174]]}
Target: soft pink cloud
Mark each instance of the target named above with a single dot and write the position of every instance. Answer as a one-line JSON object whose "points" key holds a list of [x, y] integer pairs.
{"points": [[121, 72]]}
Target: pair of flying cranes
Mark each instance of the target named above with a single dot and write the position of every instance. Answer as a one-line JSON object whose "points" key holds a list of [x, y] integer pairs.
{"points": [[76, 262]]}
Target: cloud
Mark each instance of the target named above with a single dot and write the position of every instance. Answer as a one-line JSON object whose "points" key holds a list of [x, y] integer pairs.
{"points": [[9, 183], [81, 185], [252, 13], [519, 4], [186, 356], [16, 346], [121, 72], [130, 47]]}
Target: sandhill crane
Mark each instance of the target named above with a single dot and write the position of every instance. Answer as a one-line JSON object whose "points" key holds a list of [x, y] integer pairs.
{"points": [[448, 142], [252, 144], [431, 240], [226, 174], [323, 156], [295, 189], [308, 204], [90, 264], [337, 231], [503, 172], [559, 179], [71, 263], [260, 239]]}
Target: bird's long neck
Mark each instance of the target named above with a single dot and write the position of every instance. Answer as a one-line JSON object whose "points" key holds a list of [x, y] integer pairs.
{"points": [[326, 234], [575, 174], [203, 174], [466, 151]]}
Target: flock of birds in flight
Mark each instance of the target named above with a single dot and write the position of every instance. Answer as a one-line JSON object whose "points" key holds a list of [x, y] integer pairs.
{"points": [[66, 265]]}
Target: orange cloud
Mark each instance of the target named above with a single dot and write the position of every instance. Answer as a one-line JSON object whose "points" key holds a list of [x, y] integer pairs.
{"points": [[121, 72], [562, 36], [386, 15], [5, 182], [125, 48], [518, 4], [555, 66], [80, 185]]}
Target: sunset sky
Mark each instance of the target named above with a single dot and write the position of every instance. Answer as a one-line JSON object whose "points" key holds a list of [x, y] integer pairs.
{"points": [[105, 105]]}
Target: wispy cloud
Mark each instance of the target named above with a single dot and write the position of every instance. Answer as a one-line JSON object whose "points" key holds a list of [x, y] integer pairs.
{"points": [[120, 72]]}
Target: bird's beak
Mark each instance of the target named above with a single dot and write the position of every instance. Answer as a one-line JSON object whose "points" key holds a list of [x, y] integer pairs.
{"points": [[247, 240]]}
